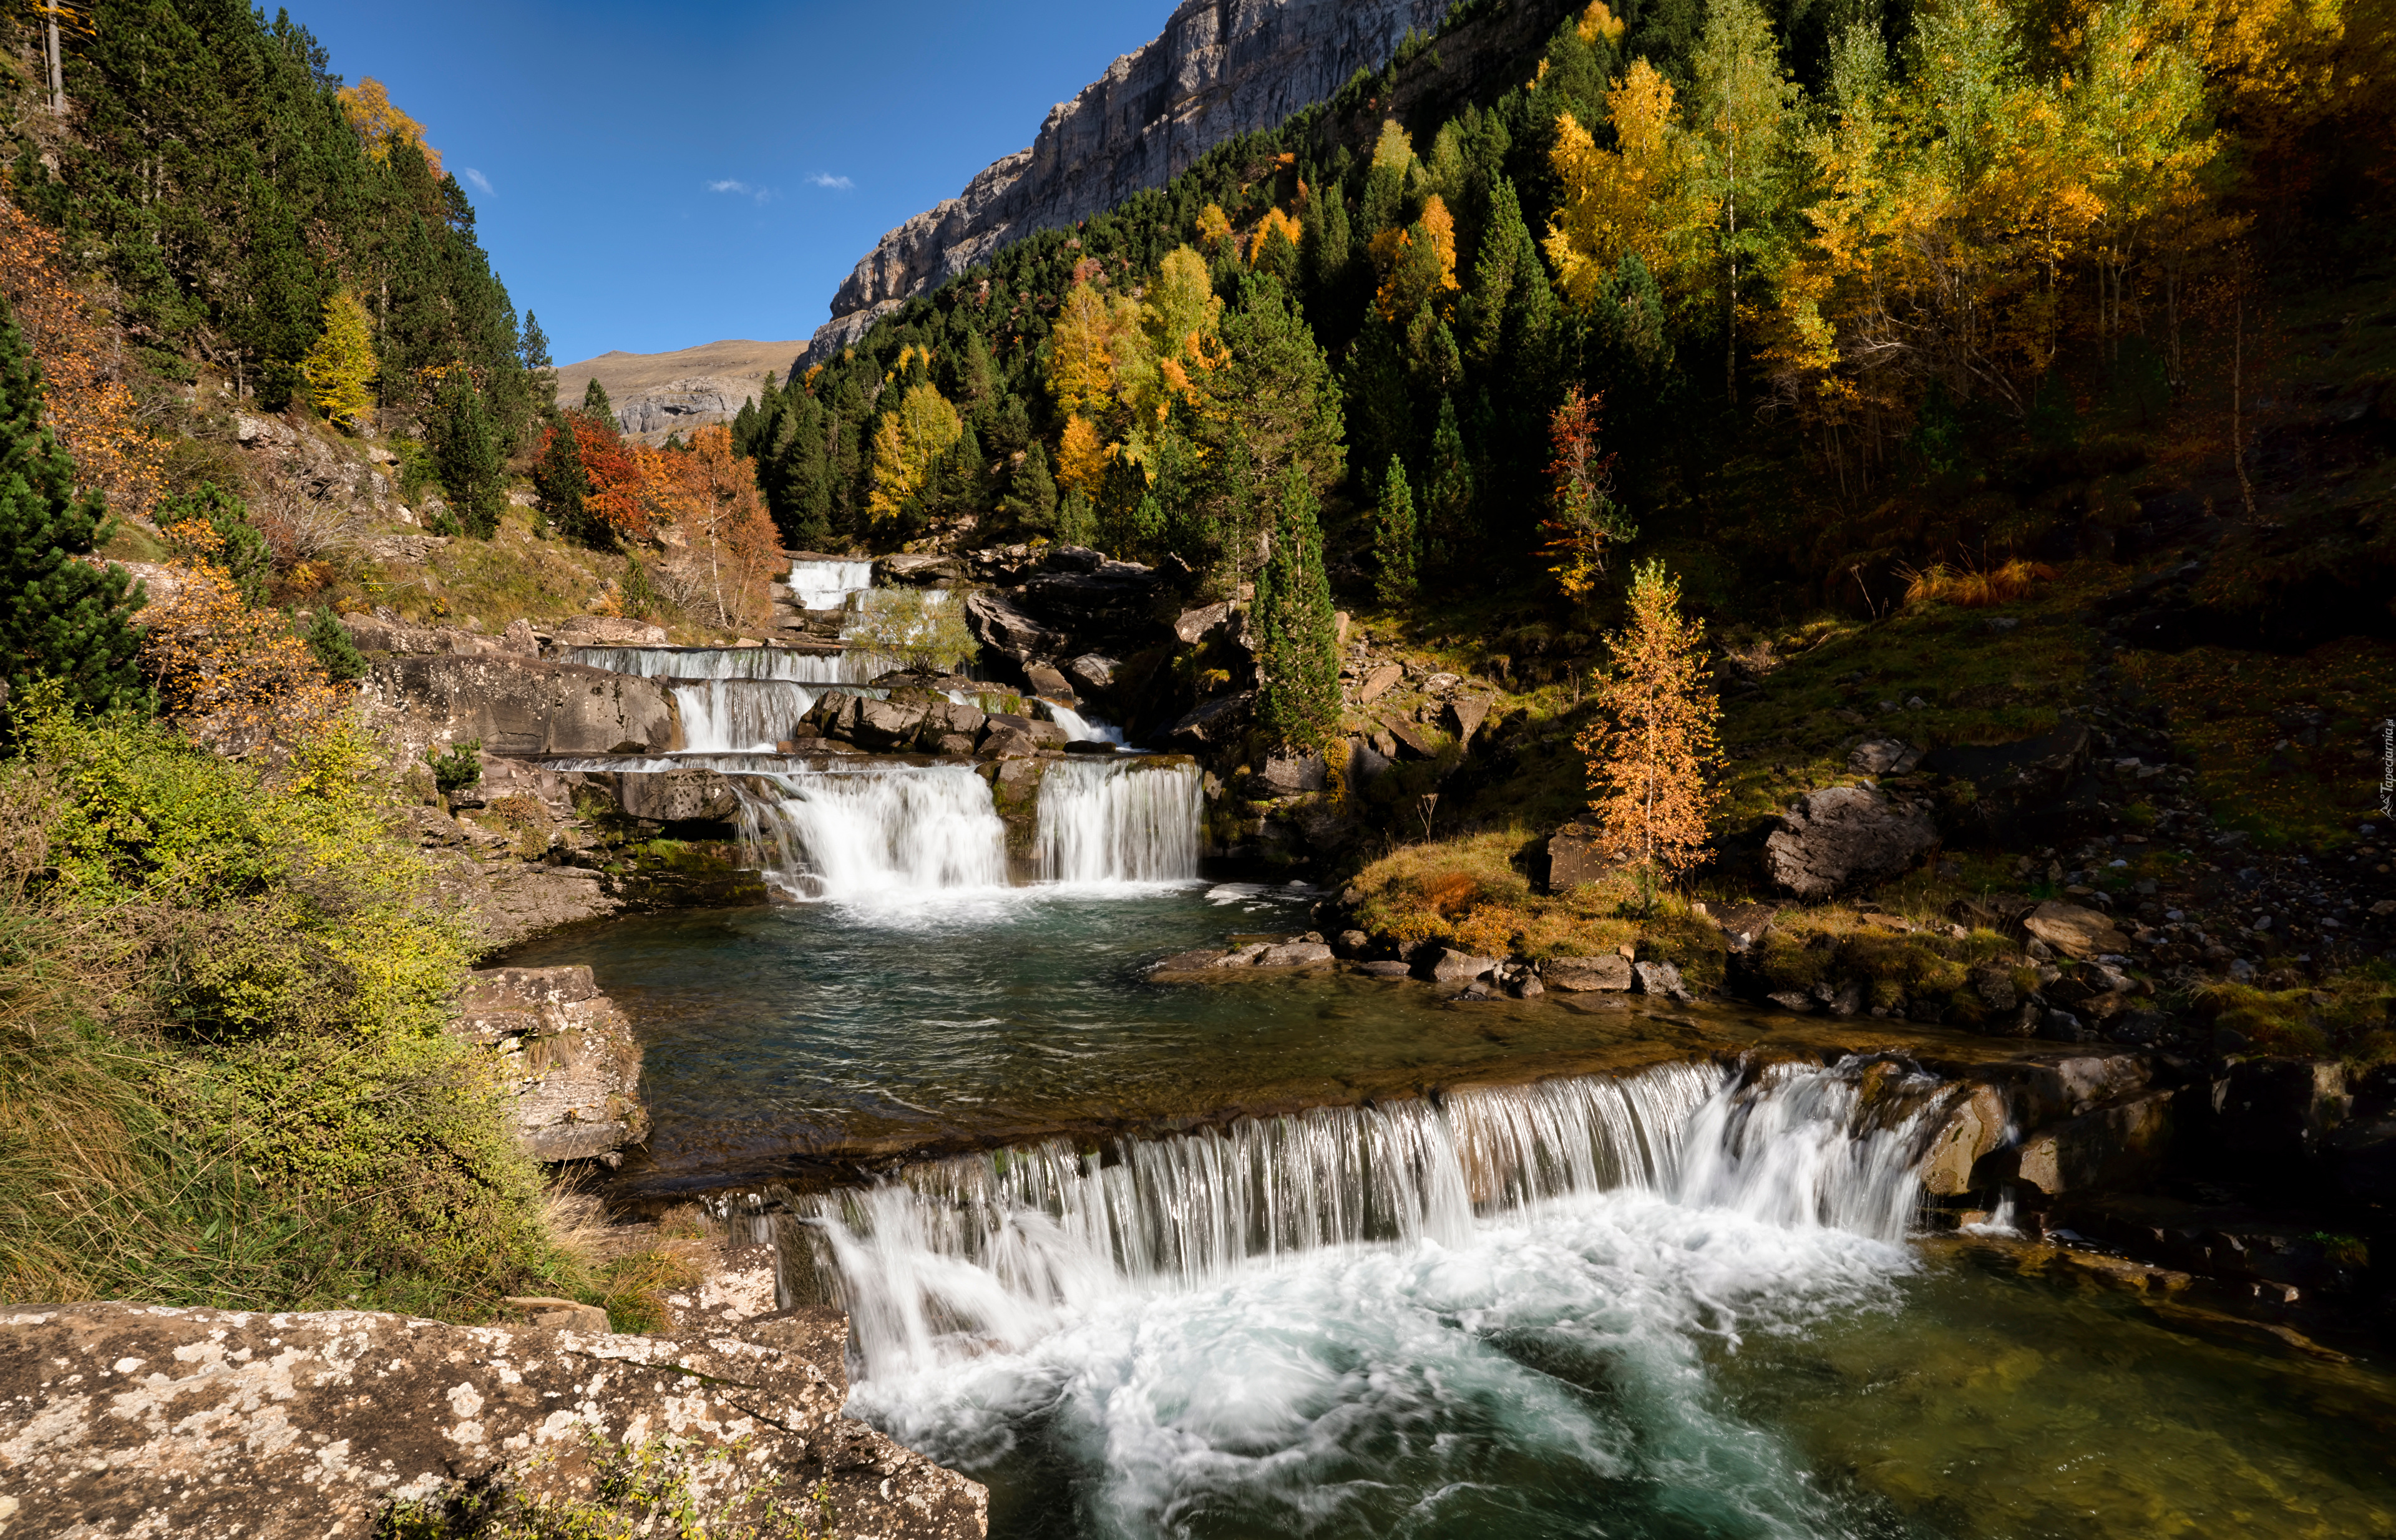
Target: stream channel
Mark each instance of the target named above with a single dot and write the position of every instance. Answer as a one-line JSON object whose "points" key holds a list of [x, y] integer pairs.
{"points": [[1208, 1261]]}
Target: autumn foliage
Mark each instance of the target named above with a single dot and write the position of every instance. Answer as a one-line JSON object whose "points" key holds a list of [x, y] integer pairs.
{"points": [[367, 107], [233, 675], [1586, 521], [1654, 738], [729, 553], [83, 361]]}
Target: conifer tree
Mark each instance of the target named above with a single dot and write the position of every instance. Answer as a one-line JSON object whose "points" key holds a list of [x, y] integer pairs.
{"points": [[1393, 539], [63, 620], [595, 402], [466, 452], [564, 485], [540, 370], [329, 640], [1298, 661], [341, 367], [1032, 498], [1447, 492], [1654, 741]]}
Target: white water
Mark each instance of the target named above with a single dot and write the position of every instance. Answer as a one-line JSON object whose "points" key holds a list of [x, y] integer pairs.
{"points": [[1103, 820], [827, 585], [1081, 729], [877, 831], [735, 715], [1323, 1321]]}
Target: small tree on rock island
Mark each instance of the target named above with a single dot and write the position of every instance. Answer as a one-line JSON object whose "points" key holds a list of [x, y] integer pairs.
{"points": [[1298, 656], [1654, 739], [339, 369]]}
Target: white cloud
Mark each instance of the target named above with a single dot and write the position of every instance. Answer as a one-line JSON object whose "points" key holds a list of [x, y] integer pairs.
{"points": [[739, 187], [482, 183], [825, 178]]}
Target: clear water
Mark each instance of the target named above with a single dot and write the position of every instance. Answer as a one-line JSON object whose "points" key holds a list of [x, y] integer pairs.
{"points": [[1156, 1296]]}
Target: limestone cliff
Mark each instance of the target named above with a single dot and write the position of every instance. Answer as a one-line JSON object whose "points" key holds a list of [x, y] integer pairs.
{"points": [[1219, 68]]}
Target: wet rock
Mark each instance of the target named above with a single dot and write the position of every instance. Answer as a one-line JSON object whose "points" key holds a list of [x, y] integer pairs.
{"points": [[2122, 1145], [886, 724], [1842, 999], [1350, 942], [1294, 954], [1188, 962], [672, 796], [1451, 965], [1660, 979], [147, 1420], [1974, 1127], [1846, 836], [1794, 1000], [1006, 735], [2074, 931], [1384, 970], [997, 624], [571, 1064], [1587, 975], [1045, 680]]}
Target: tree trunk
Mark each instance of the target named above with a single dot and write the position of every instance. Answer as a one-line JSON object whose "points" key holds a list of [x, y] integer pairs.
{"points": [[57, 63]]}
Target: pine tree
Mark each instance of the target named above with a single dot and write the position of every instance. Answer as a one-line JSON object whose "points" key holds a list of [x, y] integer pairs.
{"points": [[540, 370], [1393, 539], [466, 452], [329, 640], [1447, 496], [341, 367], [564, 487], [1031, 500], [595, 402], [1654, 739], [63, 620], [1299, 662]]}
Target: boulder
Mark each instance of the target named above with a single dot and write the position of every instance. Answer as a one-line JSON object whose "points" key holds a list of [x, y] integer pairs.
{"points": [[673, 796], [1744, 925], [519, 706], [1450, 966], [607, 630], [1293, 775], [1378, 681], [1417, 740], [2279, 1111], [886, 724], [1045, 680], [1189, 962], [1660, 979], [150, 1420], [570, 1062], [1384, 970], [1587, 975], [1883, 756], [1001, 627], [1111, 599], [1975, 1125], [1213, 723], [1294, 954], [2124, 1145], [1363, 764], [1005, 736], [1192, 627], [1844, 837], [519, 639], [2075, 932], [1465, 714], [1073, 558], [1575, 856], [917, 569], [1092, 674]]}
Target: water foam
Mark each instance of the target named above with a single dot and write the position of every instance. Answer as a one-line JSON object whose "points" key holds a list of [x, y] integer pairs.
{"points": [[1103, 820]]}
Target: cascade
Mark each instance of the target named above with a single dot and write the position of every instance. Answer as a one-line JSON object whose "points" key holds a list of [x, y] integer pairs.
{"points": [[738, 698], [874, 832], [998, 1250], [1104, 820], [1081, 729], [827, 585]]}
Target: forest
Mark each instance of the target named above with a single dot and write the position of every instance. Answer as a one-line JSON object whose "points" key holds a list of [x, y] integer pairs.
{"points": [[1807, 303]]}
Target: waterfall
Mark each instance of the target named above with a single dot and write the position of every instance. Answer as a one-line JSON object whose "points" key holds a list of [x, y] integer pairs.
{"points": [[792, 664], [827, 585], [1081, 729], [1103, 820], [997, 1249], [876, 832], [729, 715]]}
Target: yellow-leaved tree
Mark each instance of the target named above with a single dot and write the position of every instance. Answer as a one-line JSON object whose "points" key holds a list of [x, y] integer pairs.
{"points": [[1644, 198], [367, 107], [907, 443], [1653, 741], [340, 368]]}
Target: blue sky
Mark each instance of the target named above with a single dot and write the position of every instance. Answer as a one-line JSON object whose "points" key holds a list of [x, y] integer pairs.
{"points": [[648, 178]]}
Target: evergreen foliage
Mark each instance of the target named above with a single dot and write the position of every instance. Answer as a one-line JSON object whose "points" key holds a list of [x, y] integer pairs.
{"points": [[563, 486], [1393, 539], [329, 641], [1297, 663], [65, 620], [595, 402], [242, 549], [466, 450]]}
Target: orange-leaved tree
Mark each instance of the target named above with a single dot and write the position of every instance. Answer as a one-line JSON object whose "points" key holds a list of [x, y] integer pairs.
{"points": [[367, 107], [710, 493], [1653, 741], [82, 356], [233, 675]]}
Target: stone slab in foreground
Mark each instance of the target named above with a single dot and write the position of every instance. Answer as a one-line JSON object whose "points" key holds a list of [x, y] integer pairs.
{"points": [[138, 1421]]}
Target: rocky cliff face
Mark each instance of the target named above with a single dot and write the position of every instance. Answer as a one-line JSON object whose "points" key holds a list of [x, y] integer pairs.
{"points": [[1219, 68]]}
